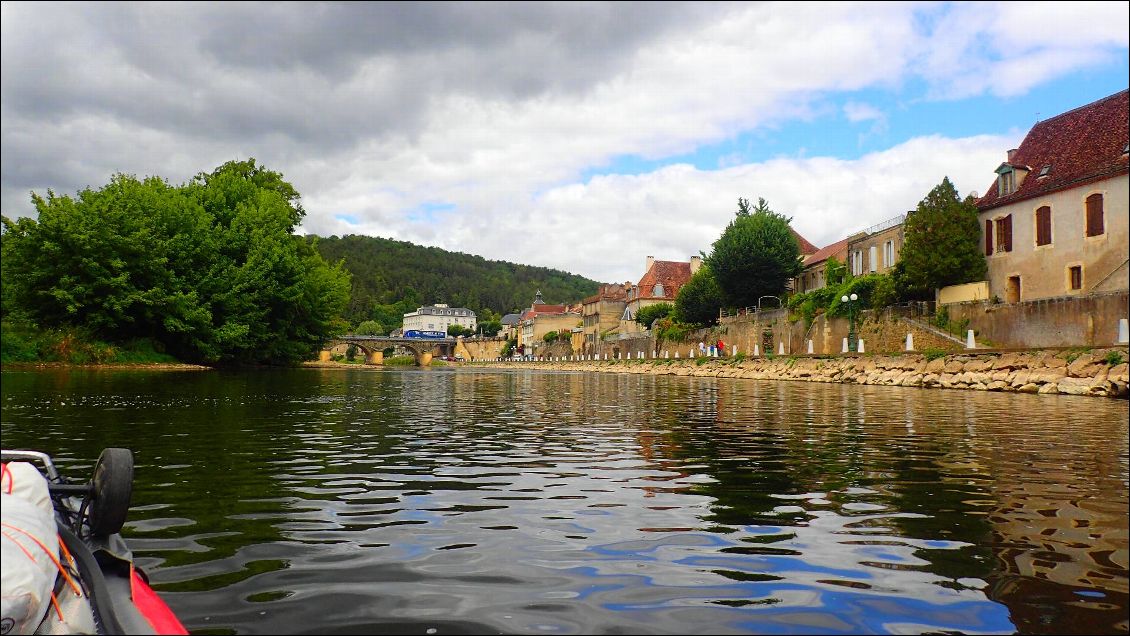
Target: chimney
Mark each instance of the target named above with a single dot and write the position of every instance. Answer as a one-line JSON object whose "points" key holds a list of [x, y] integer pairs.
{"points": [[1011, 154], [650, 262], [696, 262]]}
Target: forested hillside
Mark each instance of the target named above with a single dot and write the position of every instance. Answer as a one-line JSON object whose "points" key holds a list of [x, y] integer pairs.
{"points": [[387, 272]]}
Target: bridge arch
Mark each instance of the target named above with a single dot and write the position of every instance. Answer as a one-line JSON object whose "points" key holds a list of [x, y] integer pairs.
{"points": [[373, 346]]}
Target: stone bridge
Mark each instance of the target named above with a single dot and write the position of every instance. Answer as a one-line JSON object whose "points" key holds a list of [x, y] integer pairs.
{"points": [[373, 346]]}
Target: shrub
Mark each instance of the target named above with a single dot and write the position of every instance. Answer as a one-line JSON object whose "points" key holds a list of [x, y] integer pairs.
{"points": [[933, 353], [1113, 358]]}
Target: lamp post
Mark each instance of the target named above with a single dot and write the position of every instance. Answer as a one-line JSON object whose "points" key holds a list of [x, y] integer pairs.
{"points": [[853, 308]]}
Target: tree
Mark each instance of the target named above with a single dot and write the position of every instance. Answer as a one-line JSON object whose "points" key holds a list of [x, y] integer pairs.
{"points": [[490, 328], [941, 245], [648, 315], [756, 255], [700, 299], [369, 328], [551, 337], [210, 270]]}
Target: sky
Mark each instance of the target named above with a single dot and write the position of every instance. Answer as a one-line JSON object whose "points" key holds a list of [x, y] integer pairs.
{"points": [[579, 136]]}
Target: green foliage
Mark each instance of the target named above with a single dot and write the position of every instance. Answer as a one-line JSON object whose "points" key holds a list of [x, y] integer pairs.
{"points": [[369, 328], [942, 317], [1114, 358], [756, 255], [508, 349], [459, 330], [647, 315], [351, 352], [551, 337], [669, 329], [22, 342], [387, 272], [942, 244], [874, 291], [933, 353], [835, 272], [699, 300], [210, 270], [490, 328]]}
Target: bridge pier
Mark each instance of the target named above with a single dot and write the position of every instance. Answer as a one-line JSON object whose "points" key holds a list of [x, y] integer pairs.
{"points": [[324, 355], [377, 357], [423, 358]]}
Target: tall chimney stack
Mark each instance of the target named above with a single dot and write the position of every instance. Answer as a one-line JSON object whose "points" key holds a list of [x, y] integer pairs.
{"points": [[696, 262], [1011, 154], [650, 262]]}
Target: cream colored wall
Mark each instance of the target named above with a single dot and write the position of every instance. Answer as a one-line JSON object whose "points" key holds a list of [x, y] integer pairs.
{"points": [[1043, 270], [964, 293], [545, 323], [877, 240]]}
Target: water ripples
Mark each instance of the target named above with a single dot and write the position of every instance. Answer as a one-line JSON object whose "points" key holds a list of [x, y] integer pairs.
{"points": [[523, 502]]}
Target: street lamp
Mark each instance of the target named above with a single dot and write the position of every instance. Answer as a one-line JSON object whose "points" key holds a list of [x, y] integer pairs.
{"points": [[853, 308]]}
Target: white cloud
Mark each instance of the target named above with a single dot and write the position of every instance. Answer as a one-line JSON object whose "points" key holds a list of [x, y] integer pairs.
{"points": [[499, 114], [606, 227]]}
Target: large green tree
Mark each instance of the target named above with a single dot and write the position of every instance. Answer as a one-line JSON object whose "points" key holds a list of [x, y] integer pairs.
{"points": [[941, 244], [210, 270], [700, 299], [756, 255]]}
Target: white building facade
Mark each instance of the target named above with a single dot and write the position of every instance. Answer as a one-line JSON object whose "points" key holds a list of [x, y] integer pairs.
{"points": [[439, 317]]}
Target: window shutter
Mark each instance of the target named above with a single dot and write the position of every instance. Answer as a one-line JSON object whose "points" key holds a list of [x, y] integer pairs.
{"points": [[1095, 215], [1043, 225], [988, 237], [1007, 233]]}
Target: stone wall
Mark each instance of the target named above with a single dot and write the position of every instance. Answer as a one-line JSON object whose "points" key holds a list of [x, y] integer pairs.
{"points": [[1097, 373], [480, 348], [1066, 321]]}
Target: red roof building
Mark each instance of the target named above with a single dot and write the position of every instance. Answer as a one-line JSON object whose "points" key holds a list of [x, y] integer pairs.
{"points": [[1055, 220]]}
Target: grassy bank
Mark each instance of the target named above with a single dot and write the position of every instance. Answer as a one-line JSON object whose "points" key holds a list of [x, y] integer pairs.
{"points": [[24, 343]]}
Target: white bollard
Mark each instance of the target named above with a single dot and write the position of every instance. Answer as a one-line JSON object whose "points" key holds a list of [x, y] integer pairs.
{"points": [[757, 351], [781, 348], [860, 347], [970, 343], [1123, 331], [809, 347], [692, 353], [845, 349], [676, 355], [909, 341], [735, 350]]}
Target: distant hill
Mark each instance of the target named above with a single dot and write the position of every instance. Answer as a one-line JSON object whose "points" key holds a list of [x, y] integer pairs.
{"points": [[387, 271]]}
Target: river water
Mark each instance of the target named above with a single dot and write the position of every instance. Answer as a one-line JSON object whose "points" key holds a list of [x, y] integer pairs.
{"points": [[479, 501]]}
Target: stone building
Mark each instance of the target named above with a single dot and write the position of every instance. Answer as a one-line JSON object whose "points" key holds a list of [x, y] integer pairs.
{"points": [[540, 319], [660, 284], [601, 314], [876, 249], [812, 277], [1055, 219]]}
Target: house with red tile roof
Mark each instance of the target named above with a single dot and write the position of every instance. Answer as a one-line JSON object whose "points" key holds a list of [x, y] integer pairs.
{"points": [[1055, 219], [660, 283], [541, 318], [812, 277]]}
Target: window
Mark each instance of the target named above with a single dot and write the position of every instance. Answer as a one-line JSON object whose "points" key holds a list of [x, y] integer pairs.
{"points": [[1044, 225], [872, 258], [988, 237], [1007, 183], [1004, 234], [657, 291], [889, 254], [1075, 277], [1045, 170], [857, 263], [1095, 215]]}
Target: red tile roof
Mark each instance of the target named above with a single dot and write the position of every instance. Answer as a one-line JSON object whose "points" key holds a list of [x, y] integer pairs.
{"points": [[1080, 146], [536, 310], [805, 246], [615, 291], [671, 274], [825, 253]]}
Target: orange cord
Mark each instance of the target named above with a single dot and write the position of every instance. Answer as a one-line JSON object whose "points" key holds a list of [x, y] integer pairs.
{"points": [[31, 557], [54, 559]]}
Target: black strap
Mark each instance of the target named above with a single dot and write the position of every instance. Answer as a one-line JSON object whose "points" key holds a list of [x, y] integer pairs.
{"points": [[91, 573]]}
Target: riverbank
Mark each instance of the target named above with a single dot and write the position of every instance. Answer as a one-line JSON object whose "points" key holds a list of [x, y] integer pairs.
{"points": [[1099, 372], [136, 366]]}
